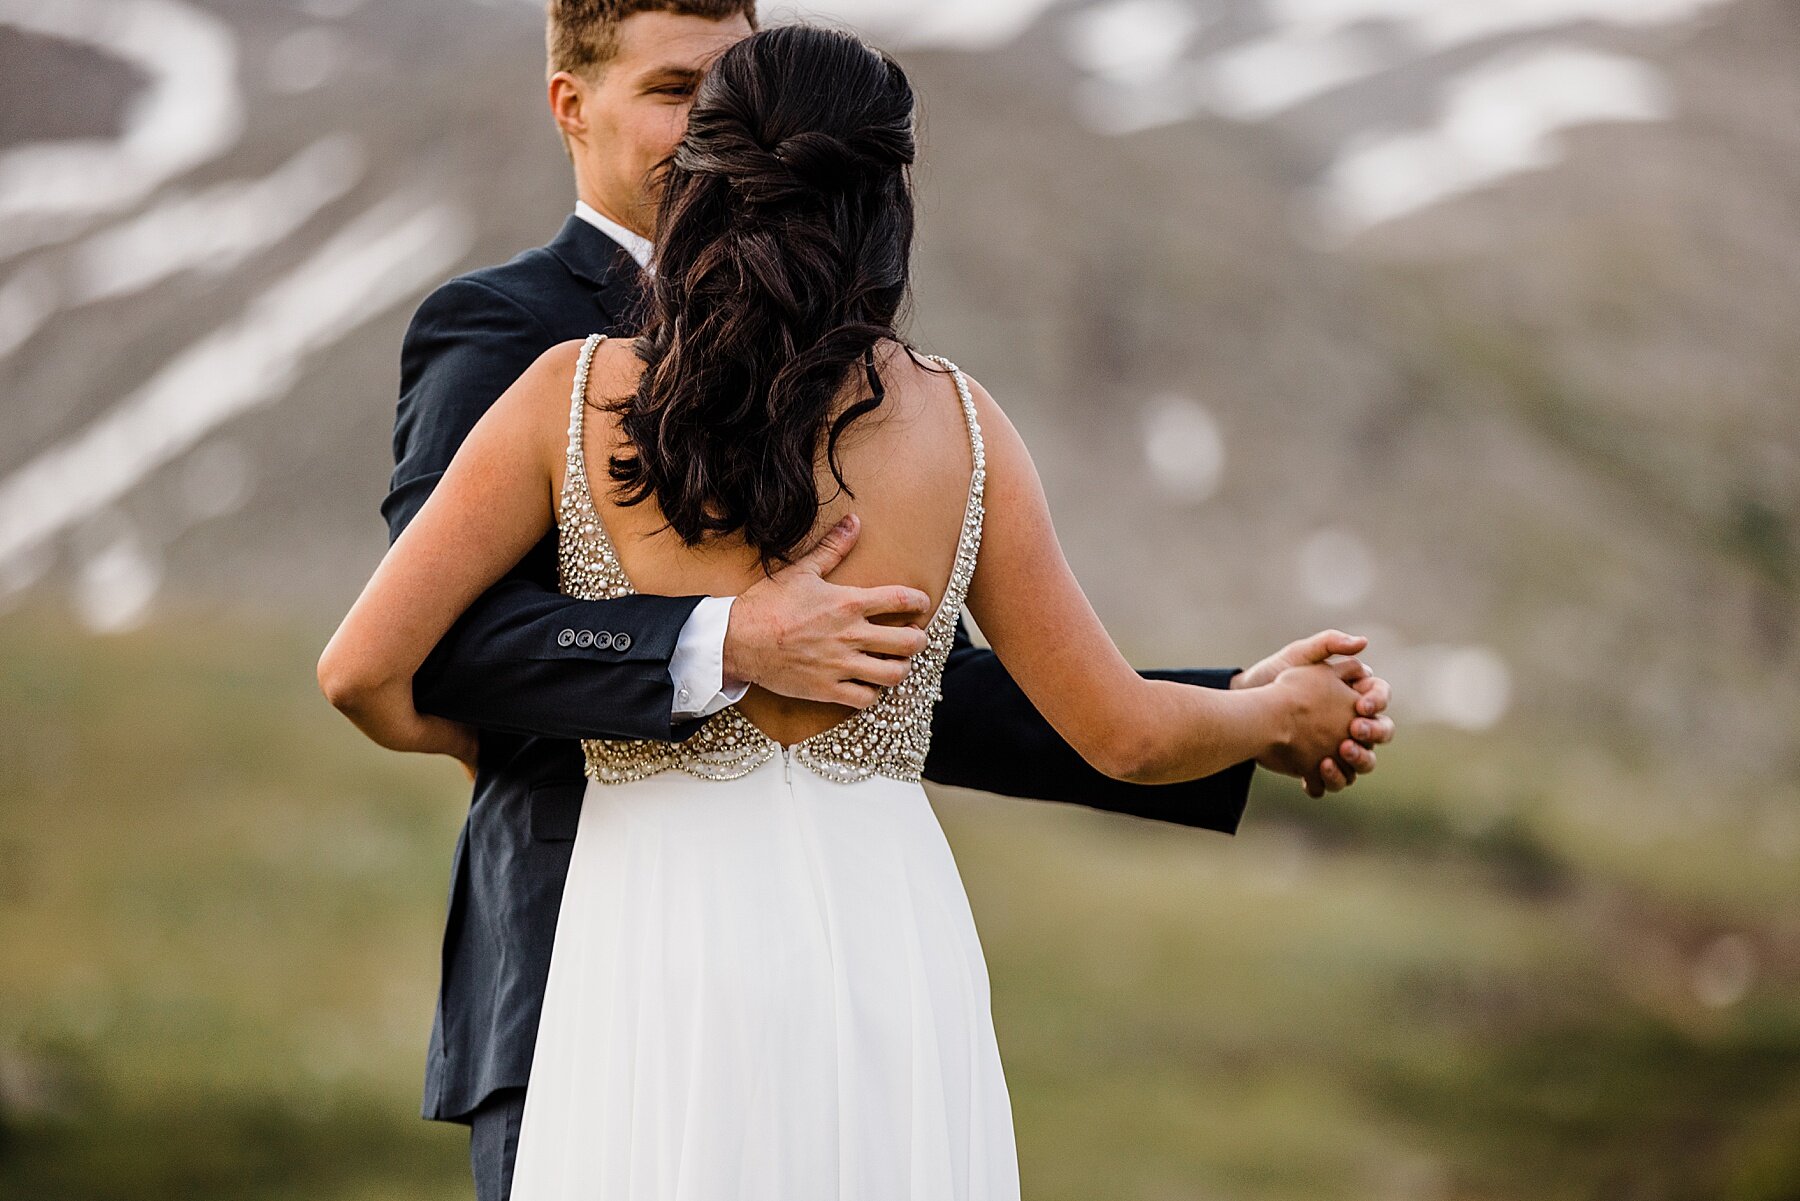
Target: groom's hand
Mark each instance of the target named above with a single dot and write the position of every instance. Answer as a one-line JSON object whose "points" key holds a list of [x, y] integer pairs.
{"points": [[799, 635], [1371, 725]]}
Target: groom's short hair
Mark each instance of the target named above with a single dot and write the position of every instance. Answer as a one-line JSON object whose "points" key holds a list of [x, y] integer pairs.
{"points": [[581, 36]]}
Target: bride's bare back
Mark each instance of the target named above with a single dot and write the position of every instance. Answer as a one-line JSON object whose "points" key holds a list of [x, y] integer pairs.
{"points": [[908, 463]]}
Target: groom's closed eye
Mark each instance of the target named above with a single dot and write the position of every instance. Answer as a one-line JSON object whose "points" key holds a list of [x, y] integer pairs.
{"points": [[671, 82]]}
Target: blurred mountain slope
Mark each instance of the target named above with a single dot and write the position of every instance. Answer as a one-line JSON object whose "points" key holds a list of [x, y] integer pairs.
{"points": [[1537, 438]]}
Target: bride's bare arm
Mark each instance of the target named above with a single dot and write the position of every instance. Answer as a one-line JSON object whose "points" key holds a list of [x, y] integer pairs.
{"points": [[1040, 624], [492, 505]]}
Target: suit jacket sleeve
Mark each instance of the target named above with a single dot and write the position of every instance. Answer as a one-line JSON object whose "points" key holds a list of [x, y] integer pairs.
{"points": [[504, 664], [986, 734]]}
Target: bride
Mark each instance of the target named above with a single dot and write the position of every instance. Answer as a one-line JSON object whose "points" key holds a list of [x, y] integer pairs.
{"points": [[766, 981]]}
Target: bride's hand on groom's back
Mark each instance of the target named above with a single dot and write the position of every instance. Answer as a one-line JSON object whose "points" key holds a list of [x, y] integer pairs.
{"points": [[799, 635]]}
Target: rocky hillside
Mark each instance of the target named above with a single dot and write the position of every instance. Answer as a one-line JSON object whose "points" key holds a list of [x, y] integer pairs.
{"points": [[1469, 327]]}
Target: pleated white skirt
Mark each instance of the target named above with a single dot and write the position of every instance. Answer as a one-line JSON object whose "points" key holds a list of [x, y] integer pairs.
{"points": [[765, 989]]}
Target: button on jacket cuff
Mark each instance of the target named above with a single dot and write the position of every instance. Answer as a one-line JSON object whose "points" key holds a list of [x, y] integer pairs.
{"points": [[697, 668], [600, 640]]}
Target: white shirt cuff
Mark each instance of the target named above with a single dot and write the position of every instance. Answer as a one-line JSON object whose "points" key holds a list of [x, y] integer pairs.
{"points": [[698, 665]]}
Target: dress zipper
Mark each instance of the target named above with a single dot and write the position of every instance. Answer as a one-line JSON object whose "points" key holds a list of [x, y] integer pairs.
{"points": [[787, 764]]}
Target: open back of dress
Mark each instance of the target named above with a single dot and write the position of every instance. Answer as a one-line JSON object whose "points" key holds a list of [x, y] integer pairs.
{"points": [[766, 983]]}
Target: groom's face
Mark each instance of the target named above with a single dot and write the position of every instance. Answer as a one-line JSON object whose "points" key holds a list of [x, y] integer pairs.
{"points": [[630, 117]]}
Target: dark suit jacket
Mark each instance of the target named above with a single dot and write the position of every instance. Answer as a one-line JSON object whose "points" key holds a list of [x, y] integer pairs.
{"points": [[502, 668]]}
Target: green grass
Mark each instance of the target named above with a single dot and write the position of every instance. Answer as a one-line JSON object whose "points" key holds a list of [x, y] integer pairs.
{"points": [[220, 912]]}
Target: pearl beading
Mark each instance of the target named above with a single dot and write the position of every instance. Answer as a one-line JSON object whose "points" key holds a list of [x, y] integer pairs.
{"points": [[890, 737]]}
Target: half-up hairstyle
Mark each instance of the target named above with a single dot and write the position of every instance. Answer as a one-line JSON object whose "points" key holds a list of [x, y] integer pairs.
{"points": [[782, 252]]}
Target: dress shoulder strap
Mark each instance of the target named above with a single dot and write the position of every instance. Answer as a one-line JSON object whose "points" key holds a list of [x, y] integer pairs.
{"points": [[978, 479], [969, 539], [978, 475], [578, 399]]}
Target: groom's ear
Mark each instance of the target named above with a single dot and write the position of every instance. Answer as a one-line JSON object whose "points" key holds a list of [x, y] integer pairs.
{"points": [[569, 96]]}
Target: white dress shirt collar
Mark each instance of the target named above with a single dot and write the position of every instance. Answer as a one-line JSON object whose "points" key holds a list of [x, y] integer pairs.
{"points": [[636, 245]]}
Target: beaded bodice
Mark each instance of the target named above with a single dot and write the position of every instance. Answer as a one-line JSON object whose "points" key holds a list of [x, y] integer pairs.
{"points": [[889, 737]]}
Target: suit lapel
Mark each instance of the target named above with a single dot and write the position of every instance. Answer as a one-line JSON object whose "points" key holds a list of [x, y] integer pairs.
{"points": [[603, 265]]}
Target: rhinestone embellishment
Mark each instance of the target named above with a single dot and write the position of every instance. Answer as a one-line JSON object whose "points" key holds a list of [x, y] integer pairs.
{"points": [[888, 738]]}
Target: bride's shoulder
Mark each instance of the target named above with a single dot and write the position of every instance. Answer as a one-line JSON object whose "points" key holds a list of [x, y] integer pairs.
{"points": [[561, 361], [550, 380], [934, 371], [537, 405]]}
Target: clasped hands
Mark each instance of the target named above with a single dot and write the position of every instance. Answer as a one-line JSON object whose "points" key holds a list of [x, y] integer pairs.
{"points": [[1339, 722]]}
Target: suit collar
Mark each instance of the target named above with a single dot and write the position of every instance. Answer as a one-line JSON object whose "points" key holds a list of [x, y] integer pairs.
{"points": [[599, 261]]}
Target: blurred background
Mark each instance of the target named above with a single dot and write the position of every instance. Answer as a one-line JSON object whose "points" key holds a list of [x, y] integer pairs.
{"points": [[1469, 325]]}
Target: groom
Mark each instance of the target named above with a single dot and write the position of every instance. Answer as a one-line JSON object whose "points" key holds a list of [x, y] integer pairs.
{"points": [[535, 670]]}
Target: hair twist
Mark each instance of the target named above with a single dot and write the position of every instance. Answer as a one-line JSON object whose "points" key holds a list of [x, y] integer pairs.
{"points": [[783, 242]]}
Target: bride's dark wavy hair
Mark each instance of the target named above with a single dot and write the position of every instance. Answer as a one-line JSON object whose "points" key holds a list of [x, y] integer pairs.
{"points": [[782, 255]]}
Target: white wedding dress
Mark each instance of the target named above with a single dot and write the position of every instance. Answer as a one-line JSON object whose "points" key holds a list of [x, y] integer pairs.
{"points": [[766, 983]]}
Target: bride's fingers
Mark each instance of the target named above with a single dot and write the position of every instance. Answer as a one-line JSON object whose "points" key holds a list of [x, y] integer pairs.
{"points": [[1350, 670], [1334, 778], [1375, 694], [1357, 757]]}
